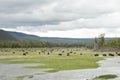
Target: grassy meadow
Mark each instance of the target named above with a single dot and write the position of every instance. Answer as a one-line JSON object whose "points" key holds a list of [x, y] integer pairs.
{"points": [[105, 77], [55, 59]]}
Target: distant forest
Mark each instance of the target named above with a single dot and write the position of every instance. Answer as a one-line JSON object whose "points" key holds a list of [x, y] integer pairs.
{"points": [[37, 44], [114, 43]]}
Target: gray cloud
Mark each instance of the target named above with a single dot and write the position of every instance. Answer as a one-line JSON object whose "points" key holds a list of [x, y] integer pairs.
{"points": [[59, 15], [42, 12], [15, 6]]}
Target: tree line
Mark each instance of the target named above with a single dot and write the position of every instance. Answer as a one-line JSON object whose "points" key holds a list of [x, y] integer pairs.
{"points": [[114, 43], [101, 43], [37, 44]]}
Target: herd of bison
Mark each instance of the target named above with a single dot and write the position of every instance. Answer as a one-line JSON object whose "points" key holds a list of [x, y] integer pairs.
{"points": [[60, 52]]}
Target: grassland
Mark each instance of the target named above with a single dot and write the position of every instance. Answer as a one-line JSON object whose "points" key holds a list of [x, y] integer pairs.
{"points": [[52, 61], [105, 77]]}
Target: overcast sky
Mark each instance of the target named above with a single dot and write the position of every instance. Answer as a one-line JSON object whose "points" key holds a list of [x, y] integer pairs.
{"points": [[61, 18]]}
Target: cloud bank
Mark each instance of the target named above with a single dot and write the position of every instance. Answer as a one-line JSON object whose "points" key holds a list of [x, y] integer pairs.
{"points": [[61, 18]]}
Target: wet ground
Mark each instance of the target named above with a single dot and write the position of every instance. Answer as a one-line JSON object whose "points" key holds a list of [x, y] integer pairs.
{"points": [[108, 66], [11, 71]]}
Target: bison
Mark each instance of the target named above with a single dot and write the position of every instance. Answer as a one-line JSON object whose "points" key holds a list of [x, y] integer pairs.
{"points": [[104, 54], [24, 54], [68, 54], [96, 54], [111, 54], [60, 54], [118, 54]]}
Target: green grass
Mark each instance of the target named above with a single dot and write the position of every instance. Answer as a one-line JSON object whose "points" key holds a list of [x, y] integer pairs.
{"points": [[54, 62], [105, 77], [68, 63]]}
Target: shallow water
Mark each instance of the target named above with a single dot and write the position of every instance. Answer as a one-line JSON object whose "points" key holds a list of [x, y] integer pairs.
{"points": [[108, 66], [11, 71]]}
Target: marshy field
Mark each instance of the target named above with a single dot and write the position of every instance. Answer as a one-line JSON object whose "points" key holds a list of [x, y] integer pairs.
{"points": [[57, 64]]}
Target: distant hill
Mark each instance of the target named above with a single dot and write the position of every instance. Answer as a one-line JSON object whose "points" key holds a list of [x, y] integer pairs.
{"points": [[23, 36], [4, 35]]}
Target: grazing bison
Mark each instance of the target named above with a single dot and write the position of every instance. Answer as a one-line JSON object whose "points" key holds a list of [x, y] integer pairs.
{"points": [[68, 54], [24, 54], [81, 54], [104, 54], [118, 54], [111, 54], [48, 53], [96, 54], [60, 54]]}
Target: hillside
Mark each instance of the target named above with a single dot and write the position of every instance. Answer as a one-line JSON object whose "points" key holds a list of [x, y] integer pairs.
{"points": [[4, 35], [23, 36]]}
